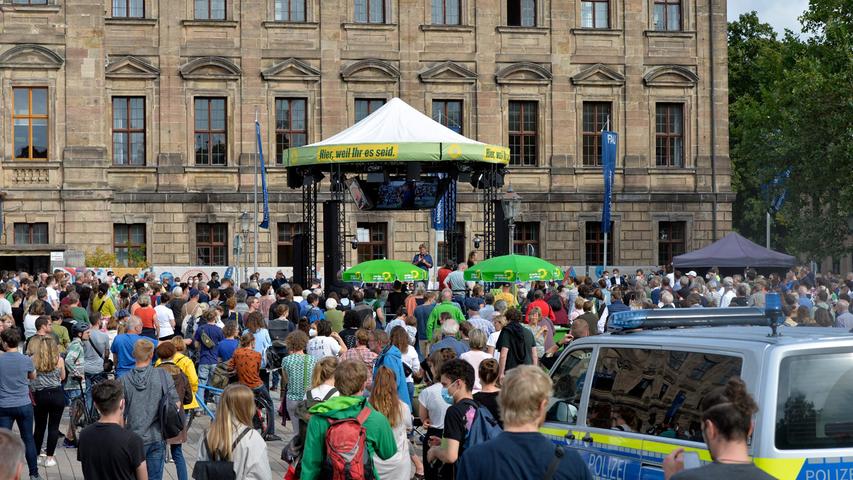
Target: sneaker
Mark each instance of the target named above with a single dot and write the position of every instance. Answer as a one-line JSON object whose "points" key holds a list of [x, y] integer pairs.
{"points": [[270, 437], [69, 444], [50, 462]]}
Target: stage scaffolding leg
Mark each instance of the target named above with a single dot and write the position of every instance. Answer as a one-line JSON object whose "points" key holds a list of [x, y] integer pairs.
{"points": [[309, 220], [490, 194], [450, 250], [338, 190]]}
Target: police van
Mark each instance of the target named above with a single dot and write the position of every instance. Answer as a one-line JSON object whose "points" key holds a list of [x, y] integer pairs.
{"points": [[626, 399]]}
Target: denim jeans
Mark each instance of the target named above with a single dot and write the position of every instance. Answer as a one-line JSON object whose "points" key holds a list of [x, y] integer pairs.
{"points": [[180, 461], [204, 372], [155, 459], [263, 393], [23, 416]]}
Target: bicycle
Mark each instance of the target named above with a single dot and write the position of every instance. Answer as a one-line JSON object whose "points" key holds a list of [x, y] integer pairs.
{"points": [[260, 420], [83, 413]]}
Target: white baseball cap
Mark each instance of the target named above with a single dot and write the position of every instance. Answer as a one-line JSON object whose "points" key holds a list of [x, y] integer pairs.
{"points": [[691, 273]]}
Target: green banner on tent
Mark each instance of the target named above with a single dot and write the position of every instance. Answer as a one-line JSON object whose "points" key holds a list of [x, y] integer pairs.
{"points": [[396, 152]]}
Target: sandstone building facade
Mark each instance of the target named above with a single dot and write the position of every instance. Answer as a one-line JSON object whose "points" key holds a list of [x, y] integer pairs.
{"points": [[129, 124]]}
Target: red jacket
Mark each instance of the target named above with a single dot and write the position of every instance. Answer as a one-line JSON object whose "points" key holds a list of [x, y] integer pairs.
{"points": [[543, 307]]}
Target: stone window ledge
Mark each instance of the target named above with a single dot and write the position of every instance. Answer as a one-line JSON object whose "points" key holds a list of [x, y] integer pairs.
{"points": [[18, 163], [148, 22], [446, 28], [210, 23], [672, 171], [293, 25], [605, 32], [669, 34], [529, 169], [115, 168], [523, 30], [210, 169], [30, 8], [369, 26]]}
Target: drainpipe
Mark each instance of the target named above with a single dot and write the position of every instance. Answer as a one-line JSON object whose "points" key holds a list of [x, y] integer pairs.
{"points": [[713, 123]]}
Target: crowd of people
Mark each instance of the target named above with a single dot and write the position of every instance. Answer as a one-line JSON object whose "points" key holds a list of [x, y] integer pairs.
{"points": [[400, 364]]}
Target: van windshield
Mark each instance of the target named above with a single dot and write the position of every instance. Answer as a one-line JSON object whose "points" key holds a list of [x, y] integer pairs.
{"points": [[815, 397]]}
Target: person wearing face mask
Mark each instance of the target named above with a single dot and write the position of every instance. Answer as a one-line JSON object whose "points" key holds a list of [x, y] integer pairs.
{"points": [[431, 409], [457, 380], [726, 427], [107, 450], [520, 451]]}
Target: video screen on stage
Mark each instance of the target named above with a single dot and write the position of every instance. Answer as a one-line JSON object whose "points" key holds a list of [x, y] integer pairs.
{"points": [[397, 194]]}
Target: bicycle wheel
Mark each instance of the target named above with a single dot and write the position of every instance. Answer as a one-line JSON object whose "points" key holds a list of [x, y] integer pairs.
{"points": [[260, 421], [79, 416]]}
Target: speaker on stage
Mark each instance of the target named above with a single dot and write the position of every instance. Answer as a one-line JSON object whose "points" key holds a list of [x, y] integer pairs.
{"points": [[300, 259], [331, 241], [502, 240]]}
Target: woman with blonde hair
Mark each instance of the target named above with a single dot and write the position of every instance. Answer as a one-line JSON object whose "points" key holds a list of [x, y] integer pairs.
{"points": [[323, 380], [384, 399], [232, 438], [539, 331], [48, 395]]}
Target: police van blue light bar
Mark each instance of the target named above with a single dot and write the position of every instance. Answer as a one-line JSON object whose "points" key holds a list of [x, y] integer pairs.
{"points": [[771, 316]]}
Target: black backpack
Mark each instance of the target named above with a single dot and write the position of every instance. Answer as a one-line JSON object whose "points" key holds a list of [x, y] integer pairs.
{"points": [[215, 469]]}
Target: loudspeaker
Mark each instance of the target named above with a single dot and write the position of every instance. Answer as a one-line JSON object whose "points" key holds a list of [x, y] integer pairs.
{"points": [[300, 259], [295, 178], [413, 171], [502, 240], [331, 241]]}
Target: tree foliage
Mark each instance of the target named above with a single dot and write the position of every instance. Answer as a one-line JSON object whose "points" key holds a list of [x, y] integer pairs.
{"points": [[791, 110]]}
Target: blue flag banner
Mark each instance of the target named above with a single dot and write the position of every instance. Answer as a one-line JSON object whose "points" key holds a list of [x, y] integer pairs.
{"points": [[265, 223], [439, 212], [609, 142]]}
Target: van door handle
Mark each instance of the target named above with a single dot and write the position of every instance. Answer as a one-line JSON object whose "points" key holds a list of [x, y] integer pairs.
{"points": [[570, 436], [587, 438]]}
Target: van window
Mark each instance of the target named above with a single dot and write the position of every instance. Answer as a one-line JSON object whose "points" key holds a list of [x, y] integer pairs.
{"points": [[656, 392], [568, 377], [815, 397]]}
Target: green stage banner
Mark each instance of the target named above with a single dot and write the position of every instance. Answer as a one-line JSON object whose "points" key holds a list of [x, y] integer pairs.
{"points": [[396, 152]]}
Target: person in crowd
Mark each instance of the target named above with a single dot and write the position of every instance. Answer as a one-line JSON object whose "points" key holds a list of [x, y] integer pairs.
{"points": [[540, 303], [185, 386], [506, 296], [477, 341], [539, 332], [422, 313], [13, 462], [225, 349], [727, 424], [144, 386], [296, 373], [232, 438], [247, 364], [334, 316], [102, 304], [397, 299], [350, 380], [326, 343], [457, 380], [449, 331], [148, 316], [391, 357], [520, 451], [123, 347], [59, 331], [443, 272], [499, 322], [206, 339], [35, 310], [280, 326], [843, 316], [515, 344], [352, 323], [487, 396], [75, 362], [16, 372], [423, 259], [165, 318], [432, 406], [384, 399], [108, 451], [256, 325], [473, 307], [446, 306], [361, 352], [323, 380]]}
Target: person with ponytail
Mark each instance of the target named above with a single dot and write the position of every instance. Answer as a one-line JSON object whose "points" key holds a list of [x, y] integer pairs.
{"points": [[726, 426], [231, 437], [385, 400]]}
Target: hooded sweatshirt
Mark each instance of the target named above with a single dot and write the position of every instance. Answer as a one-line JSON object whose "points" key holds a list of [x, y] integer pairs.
{"points": [[392, 359], [143, 388], [380, 437]]}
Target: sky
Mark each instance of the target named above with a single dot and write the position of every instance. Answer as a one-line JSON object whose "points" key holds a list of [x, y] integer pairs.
{"points": [[780, 14]]}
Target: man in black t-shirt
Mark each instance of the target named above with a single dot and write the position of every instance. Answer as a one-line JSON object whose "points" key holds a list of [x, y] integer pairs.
{"points": [[457, 381], [106, 450], [520, 452]]}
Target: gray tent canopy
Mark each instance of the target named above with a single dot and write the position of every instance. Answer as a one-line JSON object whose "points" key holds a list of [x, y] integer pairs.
{"points": [[734, 251]]}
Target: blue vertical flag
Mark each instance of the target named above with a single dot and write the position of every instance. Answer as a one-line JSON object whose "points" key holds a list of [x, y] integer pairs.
{"points": [[609, 141], [265, 223], [440, 210]]}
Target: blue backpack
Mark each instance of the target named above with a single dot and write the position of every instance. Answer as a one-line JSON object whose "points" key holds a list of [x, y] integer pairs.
{"points": [[315, 314], [483, 429]]}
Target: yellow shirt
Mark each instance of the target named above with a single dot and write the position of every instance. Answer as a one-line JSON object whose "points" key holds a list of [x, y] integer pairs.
{"points": [[508, 297]]}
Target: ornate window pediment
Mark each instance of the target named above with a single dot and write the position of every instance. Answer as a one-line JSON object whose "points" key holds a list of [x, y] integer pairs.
{"points": [[524, 73], [210, 68], [600, 75], [292, 69], [670, 76], [31, 56], [370, 70], [133, 68], [448, 72]]}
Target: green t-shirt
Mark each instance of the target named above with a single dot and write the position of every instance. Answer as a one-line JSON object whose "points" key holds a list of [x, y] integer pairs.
{"points": [[80, 314], [299, 369]]}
